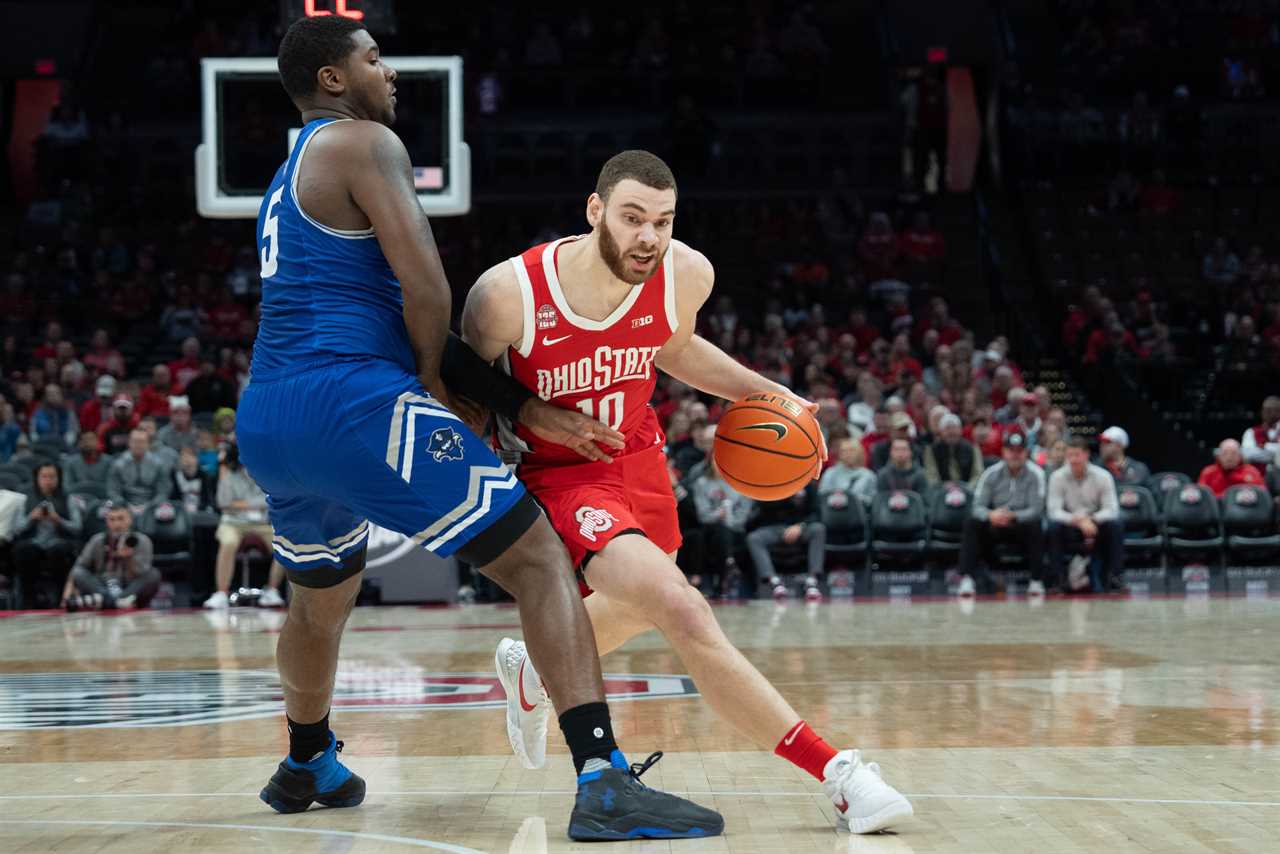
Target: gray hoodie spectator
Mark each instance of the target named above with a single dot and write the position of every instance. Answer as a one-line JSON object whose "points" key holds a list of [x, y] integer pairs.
{"points": [[718, 502], [138, 478], [89, 466]]}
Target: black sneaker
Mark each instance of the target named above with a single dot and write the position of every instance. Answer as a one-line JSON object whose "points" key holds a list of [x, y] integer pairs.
{"points": [[613, 804], [324, 780]]}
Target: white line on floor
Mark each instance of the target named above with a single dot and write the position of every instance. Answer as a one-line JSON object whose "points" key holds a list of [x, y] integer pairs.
{"points": [[714, 793], [376, 837]]}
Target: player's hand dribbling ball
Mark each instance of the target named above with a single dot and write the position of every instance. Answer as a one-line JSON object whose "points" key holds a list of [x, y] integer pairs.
{"points": [[768, 446]]}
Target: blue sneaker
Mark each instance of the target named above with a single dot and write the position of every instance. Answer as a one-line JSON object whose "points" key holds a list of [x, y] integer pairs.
{"points": [[324, 780], [613, 804]]}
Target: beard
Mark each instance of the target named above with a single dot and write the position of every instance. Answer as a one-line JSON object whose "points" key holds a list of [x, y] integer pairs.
{"points": [[613, 258]]}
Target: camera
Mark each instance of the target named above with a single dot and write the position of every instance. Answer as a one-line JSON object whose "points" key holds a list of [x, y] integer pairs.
{"points": [[45, 507], [130, 541]]}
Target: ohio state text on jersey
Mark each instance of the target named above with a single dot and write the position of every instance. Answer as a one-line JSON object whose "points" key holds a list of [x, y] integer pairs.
{"points": [[603, 368]]}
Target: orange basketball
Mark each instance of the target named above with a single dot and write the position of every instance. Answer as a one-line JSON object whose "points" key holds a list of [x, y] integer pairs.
{"points": [[767, 446]]}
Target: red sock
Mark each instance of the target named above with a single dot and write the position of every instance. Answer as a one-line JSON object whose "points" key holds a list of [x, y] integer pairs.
{"points": [[802, 748]]}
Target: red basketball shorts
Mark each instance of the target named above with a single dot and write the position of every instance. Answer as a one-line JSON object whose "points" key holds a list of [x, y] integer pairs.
{"points": [[592, 503]]}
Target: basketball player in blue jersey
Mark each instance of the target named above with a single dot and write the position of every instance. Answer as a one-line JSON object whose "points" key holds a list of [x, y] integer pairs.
{"points": [[346, 420]]}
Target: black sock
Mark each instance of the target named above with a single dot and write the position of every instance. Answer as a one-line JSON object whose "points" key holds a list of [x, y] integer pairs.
{"points": [[589, 733], [308, 740]]}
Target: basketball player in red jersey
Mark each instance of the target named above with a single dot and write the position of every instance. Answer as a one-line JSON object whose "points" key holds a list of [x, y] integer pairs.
{"points": [[583, 322]]}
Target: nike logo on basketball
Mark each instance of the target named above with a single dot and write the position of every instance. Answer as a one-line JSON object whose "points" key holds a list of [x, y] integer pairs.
{"points": [[524, 704], [792, 735], [547, 342], [777, 427]]}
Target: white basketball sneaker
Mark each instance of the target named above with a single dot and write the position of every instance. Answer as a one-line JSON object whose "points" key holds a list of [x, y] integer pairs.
{"points": [[528, 705], [864, 802]]}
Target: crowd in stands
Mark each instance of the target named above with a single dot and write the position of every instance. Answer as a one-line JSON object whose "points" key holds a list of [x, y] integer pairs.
{"points": [[89, 454]]}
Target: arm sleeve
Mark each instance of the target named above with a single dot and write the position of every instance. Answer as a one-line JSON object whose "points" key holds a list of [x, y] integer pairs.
{"points": [[471, 376], [1057, 493], [1110, 510]]}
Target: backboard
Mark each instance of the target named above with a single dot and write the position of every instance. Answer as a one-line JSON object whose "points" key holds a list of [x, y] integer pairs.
{"points": [[249, 125]]}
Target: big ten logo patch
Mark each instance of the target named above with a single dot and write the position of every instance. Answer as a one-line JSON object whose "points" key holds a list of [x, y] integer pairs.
{"points": [[592, 521], [642, 321], [546, 317]]}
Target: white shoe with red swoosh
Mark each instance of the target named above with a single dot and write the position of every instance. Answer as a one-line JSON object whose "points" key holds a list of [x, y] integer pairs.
{"points": [[864, 802], [528, 705]]}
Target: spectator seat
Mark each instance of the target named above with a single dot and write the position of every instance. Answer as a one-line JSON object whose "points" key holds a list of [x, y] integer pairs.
{"points": [[1163, 482], [1192, 524], [169, 526], [899, 524], [949, 505], [848, 532], [1141, 519], [1249, 521]]}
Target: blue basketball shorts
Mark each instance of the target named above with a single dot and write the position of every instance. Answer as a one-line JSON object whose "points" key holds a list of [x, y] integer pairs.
{"points": [[339, 446]]}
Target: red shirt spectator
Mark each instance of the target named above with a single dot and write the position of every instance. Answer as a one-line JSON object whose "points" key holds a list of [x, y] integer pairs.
{"points": [[49, 348], [863, 332], [185, 369], [226, 317], [114, 432], [922, 242], [1113, 341], [154, 399], [878, 248], [987, 437], [1229, 469], [102, 357], [96, 409]]}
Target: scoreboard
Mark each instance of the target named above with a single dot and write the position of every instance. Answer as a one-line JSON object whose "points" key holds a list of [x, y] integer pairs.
{"points": [[378, 16]]}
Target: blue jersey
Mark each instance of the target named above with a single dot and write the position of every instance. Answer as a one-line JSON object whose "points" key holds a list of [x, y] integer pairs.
{"points": [[328, 295], [335, 426]]}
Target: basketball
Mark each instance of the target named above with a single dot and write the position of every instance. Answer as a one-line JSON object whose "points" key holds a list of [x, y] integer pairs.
{"points": [[767, 446]]}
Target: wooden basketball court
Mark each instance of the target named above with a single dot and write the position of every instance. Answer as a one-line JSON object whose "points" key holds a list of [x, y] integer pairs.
{"points": [[1076, 726]]}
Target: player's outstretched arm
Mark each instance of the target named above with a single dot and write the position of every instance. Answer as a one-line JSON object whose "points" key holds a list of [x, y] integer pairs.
{"points": [[380, 181], [492, 321]]}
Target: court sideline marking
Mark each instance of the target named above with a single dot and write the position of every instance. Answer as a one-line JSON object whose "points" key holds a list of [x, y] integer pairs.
{"points": [[346, 834], [728, 794]]}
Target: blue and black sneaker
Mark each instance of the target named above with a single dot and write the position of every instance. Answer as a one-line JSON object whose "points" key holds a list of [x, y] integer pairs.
{"points": [[612, 803], [324, 780]]}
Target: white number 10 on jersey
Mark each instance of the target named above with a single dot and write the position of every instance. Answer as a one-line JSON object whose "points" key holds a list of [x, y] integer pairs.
{"points": [[610, 411]]}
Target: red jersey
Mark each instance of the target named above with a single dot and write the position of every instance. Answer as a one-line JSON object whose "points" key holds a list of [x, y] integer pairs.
{"points": [[603, 368]]}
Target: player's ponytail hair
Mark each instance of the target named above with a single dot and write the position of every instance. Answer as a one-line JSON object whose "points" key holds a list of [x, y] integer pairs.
{"points": [[649, 169], [311, 44]]}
